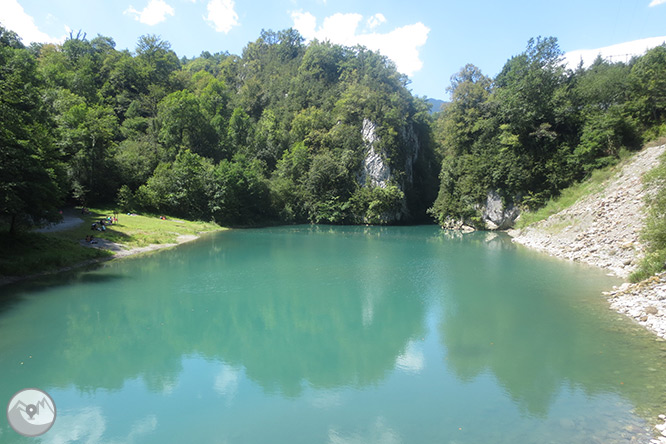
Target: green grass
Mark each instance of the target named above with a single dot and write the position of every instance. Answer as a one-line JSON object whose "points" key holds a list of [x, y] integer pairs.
{"points": [[31, 253], [653, 234], [571, 195], [138, 230]]}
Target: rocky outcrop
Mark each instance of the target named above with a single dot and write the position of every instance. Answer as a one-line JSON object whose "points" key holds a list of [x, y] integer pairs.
{"points": [[402, 171], [644, 301], [496, 215], [376, 172], [603, 229]]}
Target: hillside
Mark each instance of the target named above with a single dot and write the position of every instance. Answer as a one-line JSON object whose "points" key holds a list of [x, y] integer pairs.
{"points": [[603, 229], [437, 105]]}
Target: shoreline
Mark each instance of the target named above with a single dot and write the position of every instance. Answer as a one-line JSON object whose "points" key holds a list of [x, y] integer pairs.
{"points": [[603, 229], [119, 251]]}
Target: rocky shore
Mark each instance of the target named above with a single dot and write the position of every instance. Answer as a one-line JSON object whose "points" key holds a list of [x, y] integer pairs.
{"points": [[603, 229]]}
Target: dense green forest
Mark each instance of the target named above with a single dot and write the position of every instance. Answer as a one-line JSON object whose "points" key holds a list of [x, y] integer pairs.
{"points": [[279, 134], [537, 127], [292, 132]]}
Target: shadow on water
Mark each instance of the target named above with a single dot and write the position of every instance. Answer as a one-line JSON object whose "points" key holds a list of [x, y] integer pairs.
{"points": [[13, 293]]}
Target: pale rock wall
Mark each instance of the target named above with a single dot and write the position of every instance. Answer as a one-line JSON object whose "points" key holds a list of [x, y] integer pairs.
{"points": [[375, 170], [495, 215]]}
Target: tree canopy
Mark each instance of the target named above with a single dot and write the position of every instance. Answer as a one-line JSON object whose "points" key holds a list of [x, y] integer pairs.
{"points": [[289, 132], [537, 126]]}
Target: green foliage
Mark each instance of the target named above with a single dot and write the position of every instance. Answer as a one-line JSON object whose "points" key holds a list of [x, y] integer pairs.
{"points": [[29, 253], [239, 193], [31, 171], [569, 195], [125, 200], [179, 188], [537, 128], [648, 77], [377, 205], [324, 184], [183, 125], [654, 233]]}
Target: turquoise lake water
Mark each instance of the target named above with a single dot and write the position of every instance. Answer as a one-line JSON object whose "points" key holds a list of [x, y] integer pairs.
{"points": [[317, 334]]}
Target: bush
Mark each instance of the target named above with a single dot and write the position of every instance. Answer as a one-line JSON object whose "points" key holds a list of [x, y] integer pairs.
{"points": [[654, 233]]}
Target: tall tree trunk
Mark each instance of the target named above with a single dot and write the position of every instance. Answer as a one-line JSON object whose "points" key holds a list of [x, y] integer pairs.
{"points": [[12, 226]]}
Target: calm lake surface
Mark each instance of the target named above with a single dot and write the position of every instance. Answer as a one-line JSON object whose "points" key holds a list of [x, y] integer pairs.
{"points": [[315, 334]]}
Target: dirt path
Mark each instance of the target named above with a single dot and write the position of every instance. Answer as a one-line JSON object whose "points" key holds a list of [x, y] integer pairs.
{"points": [[69, 220], [120, 250]]}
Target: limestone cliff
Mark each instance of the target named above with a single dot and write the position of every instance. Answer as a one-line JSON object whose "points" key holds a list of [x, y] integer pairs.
{"points": [[409, 169], [376, 172]]}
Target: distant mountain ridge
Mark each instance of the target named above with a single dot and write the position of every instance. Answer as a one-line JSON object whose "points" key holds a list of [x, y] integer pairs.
{"points": [[437, 105]]}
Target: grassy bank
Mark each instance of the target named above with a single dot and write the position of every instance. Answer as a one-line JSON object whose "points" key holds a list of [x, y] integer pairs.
{"points": [[137, 230], [571, 195], [654, 232], [31, 252]]}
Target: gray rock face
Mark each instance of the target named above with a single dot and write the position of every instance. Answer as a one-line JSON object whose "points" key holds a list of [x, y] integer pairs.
{"points": [[376, 173], [495, 215]]}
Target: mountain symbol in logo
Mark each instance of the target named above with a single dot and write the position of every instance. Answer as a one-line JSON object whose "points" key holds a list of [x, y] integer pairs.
{"points": [[31, 412], [33, 409]]}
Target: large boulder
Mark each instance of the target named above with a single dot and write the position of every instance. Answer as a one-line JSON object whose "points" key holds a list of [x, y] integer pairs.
{"points": [[496, 215]]}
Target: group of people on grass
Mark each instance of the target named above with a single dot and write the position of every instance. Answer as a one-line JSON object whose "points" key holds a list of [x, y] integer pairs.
{"points": [[101, 225]]}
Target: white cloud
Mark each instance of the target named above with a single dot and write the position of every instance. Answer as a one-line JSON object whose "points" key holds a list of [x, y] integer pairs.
{"points": [[412, 360], [154, 13], [378, 432], [221, 15], [14, 17], [622, 52], [657, 2], [400, 45], [226, 382], [378, 19], [83, 425]]}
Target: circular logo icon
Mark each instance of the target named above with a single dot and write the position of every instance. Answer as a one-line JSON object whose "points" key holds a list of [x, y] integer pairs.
{"points": [[31, 412]]}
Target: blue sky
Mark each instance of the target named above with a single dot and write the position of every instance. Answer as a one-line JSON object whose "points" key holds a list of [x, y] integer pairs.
{"points": [[428, 40]]}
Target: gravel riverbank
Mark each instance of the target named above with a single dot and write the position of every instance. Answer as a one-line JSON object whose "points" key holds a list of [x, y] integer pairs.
{"points": [[603, 230]]}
